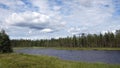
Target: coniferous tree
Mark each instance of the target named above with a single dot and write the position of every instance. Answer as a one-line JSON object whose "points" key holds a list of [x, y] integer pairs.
{"points": [[5, 46], [74, 41]]}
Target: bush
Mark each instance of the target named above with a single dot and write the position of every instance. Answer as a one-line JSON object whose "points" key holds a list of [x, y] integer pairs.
{"points": [[5, 46]]}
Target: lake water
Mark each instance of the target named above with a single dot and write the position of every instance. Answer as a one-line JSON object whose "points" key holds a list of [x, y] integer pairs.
{"points": [[76, 55]]}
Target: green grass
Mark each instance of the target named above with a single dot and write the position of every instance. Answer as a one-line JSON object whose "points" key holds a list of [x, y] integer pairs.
{"points": [[31, 61]]}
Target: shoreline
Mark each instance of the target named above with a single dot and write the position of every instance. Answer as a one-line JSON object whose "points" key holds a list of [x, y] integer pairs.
{"points": [[34, 61], [68, 48]]}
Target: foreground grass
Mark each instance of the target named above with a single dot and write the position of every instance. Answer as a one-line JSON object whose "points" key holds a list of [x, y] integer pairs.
{"points": [[31, 61]]}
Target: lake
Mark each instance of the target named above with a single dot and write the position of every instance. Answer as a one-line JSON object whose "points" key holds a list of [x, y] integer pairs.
{"points": [[112, 57]]}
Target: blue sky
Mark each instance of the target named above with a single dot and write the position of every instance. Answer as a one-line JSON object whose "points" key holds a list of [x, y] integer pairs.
{"points": [[45, 19]]}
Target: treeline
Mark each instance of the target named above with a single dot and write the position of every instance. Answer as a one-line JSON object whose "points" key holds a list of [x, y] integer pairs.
{"points": [[108, 39]]}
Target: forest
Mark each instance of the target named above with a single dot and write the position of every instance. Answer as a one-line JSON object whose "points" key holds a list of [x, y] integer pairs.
{"points": [[107, 39]]}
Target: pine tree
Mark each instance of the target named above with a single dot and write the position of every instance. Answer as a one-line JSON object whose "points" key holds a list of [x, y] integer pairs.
{"points": [[74, 41], [5, 46]]}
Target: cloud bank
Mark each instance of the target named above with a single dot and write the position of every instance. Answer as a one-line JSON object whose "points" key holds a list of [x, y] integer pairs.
{"points": [[38, 19]]}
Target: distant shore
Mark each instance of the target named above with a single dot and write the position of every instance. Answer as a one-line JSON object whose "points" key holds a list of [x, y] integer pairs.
{"points": [[70, 48]]}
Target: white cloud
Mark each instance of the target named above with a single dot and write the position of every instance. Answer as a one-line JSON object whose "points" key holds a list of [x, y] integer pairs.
{"points": [[12, 4], [92, 14], [74, 30], [46, 30], [27, 19], [32, 24], [56, 8]]}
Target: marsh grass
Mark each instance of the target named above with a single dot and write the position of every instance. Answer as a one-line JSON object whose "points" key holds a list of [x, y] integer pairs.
{"points": [[31, 61]]}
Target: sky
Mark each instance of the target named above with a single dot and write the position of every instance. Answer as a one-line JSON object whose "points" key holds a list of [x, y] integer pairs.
{"points": [[45, 19]]}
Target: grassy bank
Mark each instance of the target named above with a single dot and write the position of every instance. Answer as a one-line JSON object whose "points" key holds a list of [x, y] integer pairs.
{"points": [[31, 61], [70, 48]]}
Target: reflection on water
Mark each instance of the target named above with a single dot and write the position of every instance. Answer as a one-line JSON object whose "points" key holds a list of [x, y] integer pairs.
{"points": [[76, 55]]}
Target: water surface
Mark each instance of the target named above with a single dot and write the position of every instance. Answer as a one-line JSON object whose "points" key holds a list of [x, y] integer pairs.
{"points": [[76, 55]]}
